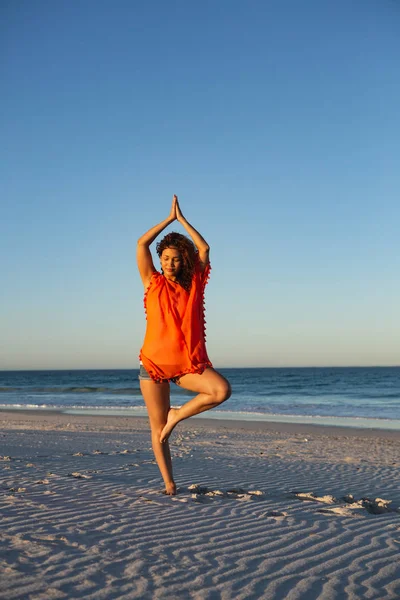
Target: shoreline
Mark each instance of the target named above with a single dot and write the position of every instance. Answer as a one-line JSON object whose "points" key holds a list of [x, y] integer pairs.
{"points": [[34, 418]]}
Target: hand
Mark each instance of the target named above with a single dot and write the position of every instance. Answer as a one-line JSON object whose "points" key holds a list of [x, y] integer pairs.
{"points": [[179, 215], [172, 214]]}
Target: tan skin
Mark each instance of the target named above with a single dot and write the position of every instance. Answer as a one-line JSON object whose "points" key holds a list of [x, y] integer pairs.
{"points": [[210, 386]]}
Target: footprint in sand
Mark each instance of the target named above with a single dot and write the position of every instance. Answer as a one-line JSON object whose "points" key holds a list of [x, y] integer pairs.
{"points": [[311, 497], [376, 506], [342, 511], [203, 494], [79, 475], [201, 499]]}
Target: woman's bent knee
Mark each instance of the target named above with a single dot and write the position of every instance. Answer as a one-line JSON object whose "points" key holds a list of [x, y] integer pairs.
{"points": [[223, 392]]}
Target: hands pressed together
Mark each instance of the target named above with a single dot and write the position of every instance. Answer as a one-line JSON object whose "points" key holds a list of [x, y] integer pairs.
{"points": [[198, 240], [176, 213]]}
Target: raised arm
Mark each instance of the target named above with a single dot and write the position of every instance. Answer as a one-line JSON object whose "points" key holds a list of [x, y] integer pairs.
{"points": [[199, 241], [143, 255]]}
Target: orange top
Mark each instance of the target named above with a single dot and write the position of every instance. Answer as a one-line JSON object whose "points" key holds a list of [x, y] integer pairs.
{"points": [[174, 343]]}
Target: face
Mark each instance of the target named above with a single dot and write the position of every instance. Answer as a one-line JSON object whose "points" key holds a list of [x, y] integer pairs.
{"points": [[171, 262]]}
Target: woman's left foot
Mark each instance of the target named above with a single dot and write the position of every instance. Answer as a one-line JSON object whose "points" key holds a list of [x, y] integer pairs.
{"points": [[170, 489], [172, 421]]}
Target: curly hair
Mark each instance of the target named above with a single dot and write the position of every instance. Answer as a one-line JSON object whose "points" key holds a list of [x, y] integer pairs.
{"points": [[188, 253]]}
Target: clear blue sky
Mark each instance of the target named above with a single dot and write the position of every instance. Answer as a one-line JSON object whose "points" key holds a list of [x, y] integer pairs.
{"points": [[277, 124]]}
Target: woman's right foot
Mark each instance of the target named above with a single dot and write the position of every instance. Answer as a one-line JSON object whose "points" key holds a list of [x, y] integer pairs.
{"points": [[172, 421]]}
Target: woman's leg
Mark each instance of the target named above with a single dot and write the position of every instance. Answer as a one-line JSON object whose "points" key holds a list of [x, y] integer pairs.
{"points": [[212, 388], [156, 397]]}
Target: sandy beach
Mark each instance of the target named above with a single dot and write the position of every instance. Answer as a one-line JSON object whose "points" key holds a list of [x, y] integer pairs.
{"points": [[264, 510]]}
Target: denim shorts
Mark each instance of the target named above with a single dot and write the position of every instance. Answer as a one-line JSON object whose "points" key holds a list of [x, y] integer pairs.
{"points": [[144, 376]]}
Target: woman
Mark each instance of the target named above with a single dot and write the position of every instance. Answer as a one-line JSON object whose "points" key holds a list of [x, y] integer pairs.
{"points": [[174, 345]]}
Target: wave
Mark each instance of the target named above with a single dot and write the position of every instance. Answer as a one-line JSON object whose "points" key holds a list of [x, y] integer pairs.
{"points": [[59, 408], [72, 390], [382, 396], [354, 421], [334, 394]]}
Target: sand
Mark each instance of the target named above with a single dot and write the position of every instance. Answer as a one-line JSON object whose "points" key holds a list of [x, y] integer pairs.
{"points": [[264, 510]]}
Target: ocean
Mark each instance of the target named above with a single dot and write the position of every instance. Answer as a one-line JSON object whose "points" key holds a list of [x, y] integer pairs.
{"points": [[346, 396]]}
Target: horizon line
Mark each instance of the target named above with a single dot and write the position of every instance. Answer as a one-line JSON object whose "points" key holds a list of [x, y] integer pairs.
{"points": [[389, 366]]}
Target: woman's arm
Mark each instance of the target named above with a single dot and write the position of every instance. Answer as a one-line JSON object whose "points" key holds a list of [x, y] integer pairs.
{"points": [[199, 241], [143, 255]]}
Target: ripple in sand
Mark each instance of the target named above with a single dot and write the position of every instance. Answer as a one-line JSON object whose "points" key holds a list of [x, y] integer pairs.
{"points": [[277, 514]]}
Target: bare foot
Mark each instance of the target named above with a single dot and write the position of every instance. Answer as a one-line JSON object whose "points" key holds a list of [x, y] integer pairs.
{"points": [[172, 420], [170, 489]]}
